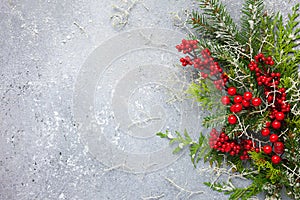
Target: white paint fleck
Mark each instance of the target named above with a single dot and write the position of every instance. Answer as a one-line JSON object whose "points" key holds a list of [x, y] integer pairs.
{"points": [[62, 196]]}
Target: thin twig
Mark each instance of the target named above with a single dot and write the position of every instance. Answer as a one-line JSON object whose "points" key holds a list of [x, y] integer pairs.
{"points": [[153, 197], [190, 192]]}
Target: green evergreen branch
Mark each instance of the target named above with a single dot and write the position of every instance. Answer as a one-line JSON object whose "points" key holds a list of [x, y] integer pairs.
{"points": [[215, 120], [250, 31], [265, 167], [202, 93], [226, 55], [238, 193], [199, 150], [283, 42], [216, 24], [220, 20], [182, 141]]}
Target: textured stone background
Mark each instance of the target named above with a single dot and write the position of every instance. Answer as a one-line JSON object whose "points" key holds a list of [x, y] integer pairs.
{"points": [[44, 45]]}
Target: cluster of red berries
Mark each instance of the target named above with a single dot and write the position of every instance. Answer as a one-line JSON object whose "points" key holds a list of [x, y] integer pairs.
{"points": [[186, 61], [275, 97], [277, 146], [263, 74], [187, 46], [222, 143], [248, 146], [206, 64], [239, 102], [278, 107]]}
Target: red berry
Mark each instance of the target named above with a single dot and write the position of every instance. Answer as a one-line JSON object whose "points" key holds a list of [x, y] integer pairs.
{"points": [[238, 99], [273, 138], [222, 135], [276, 124], [238, 107], [231, 91], [267, 149], [225, 100], [270, 98], [278, 147], [265, 132], [227, 149], [282, 90], [279, 116], [232, 108], [256, 101], [232, 119], [248, 96], [268, 123], [247, 146], [276, 159], [246, 103]]}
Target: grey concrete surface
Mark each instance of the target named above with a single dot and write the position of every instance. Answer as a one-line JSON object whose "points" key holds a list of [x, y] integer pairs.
{"points": [[84, 87]]}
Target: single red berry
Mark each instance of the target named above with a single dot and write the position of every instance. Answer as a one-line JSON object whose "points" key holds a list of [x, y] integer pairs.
{"points": [[267, 149], [248, 96], [227, 148], [238, 99], [226, 138], [238, 107], [270, 98], [245, 103], [279, 116], [256, 101], [232, 108], [232, 119], [278, 147], [222, 135], [225, 100], [265, 132], [273, 138], [247, 146], [231, 91], [276, 159], [282, 90], [276, 124], [268, 123]]}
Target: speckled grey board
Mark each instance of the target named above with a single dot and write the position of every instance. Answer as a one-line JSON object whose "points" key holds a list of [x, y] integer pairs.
{"points": [[84, 87]]}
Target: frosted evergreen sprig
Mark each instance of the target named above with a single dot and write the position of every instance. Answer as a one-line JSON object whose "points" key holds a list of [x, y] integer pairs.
{"points": [[249, 33]]}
